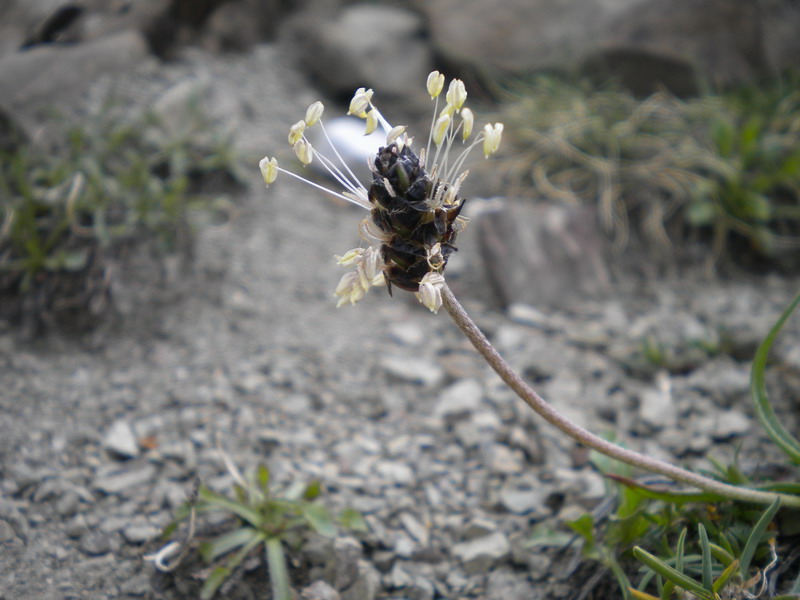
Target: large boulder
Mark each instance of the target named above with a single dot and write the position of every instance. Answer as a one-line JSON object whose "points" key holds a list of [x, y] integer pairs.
{"points": [[681, 44], [366, 45]]}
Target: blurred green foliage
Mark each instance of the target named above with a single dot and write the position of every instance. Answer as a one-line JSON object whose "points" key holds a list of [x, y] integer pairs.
{"points": [[111, 182], [723, 168]]}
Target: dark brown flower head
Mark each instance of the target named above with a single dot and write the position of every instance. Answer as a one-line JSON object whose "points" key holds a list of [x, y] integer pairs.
{"points": [[418, 229], [413, 199]]}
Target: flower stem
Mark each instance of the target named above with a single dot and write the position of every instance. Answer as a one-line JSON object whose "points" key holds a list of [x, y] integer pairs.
{"points": [[587, 438]]}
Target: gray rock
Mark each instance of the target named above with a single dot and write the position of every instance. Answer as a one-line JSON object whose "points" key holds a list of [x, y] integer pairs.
{"points": [[725, 424], [641, 42], [459, 398], [502, 460], [524, 244], [657, 408], [367, 584], [319, 590], [7, 532], [480, 554], [395, 472], [414, 370], [417, 530], [13, 516], [45, 74], [478, 528], [121, 440], [96, 543], [524, 501], [139, 533], [360, 46], [123, 481], [347, 553]]}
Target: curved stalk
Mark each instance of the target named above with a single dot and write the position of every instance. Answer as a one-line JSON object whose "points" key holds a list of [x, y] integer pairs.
{"points": [[587, 438]]}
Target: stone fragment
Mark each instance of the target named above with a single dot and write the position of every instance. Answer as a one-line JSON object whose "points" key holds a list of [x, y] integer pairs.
{"points": [[123, 481], [480, 554], [417, 530], [459, 398], [522, 501], [319, 590], [367, 583], [121, 440], [413, 370], [139, 533], [347, 553]]}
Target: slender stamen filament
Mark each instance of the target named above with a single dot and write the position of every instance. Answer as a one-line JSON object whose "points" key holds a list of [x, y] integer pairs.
{"points": [[355, 199]]}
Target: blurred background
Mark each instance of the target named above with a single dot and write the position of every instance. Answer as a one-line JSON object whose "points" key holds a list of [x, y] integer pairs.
{"points": [[629, 247]]}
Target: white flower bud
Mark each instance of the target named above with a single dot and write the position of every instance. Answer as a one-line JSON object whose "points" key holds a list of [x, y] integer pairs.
{"points": [[456, 94], [467, 121], [314, 113], [430, 291], [350, 257], [492, 135], [269, 169], [360, 103], [435, 84], [304, 151], [296, 132], [440, 128]]}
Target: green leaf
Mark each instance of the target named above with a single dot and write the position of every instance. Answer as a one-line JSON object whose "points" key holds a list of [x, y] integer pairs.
{"points": [[755, 537], [654, 492], [227, 542], [725, 576], [774, 428], [320, 519], [313, 490], [699, 214], [215, 579], [584, 526], [219, 502], [679, 579], [263, 478], [706, 565], [353, 520], [278, 572]]}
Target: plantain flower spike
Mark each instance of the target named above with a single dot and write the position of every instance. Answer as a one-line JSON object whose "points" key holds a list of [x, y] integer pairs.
{"points": [[413, 197]]}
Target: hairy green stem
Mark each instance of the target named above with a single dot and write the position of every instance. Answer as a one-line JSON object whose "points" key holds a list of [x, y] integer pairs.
{"points": [[587, 438]]}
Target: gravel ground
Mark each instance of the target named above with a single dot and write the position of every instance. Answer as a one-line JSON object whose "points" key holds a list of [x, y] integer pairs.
{"points": [[102, 436]]}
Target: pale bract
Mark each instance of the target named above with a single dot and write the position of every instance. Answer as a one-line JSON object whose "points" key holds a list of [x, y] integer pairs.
{"points": [[419, 182]]}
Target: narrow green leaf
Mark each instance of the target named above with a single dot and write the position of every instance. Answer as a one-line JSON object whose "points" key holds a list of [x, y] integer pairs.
{"points": [[725, 576], [680, 549], [708, 581], [215, 579], [227, 542], [320, 519], [679, 579], [754, 539], [659, 493], [721, 554], [263, 478], [774, 428], [219, 502], [278, 571]]}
